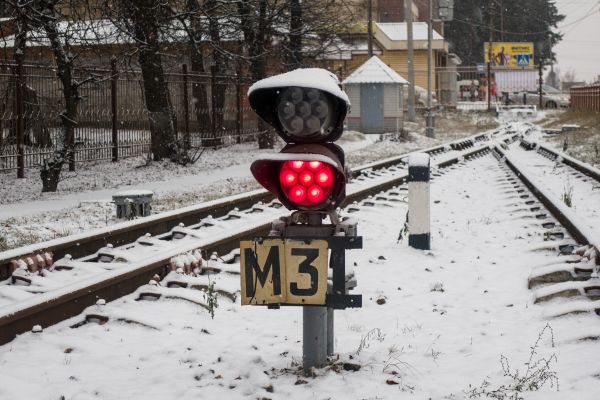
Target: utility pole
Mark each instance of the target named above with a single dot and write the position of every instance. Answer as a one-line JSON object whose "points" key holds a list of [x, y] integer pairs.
{"points": [[502, 20], [489, 63], [370, 27], [429, 129], [411, 56], [541, 82]]}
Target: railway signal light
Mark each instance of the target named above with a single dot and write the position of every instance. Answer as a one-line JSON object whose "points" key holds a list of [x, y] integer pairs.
{"points": [[307, 108]]}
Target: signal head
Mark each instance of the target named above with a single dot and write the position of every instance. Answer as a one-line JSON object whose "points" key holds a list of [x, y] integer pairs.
{"points": [[304, 105], [304, 177]]}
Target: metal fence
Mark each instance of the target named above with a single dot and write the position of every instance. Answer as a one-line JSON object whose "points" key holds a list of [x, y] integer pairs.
{"points": [[112, 118], [586, 97]]}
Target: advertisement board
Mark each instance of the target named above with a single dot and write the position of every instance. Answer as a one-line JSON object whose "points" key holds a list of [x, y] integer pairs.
{"points": [[510, 54]]}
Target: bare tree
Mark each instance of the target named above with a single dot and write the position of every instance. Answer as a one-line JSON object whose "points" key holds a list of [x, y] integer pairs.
{"points": [[254, 22], [43, 15], [143, 20], [192, 22]]}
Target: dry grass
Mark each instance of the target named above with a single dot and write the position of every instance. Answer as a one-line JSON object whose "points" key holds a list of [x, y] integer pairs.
{"points": [[456, 124], [583, 144]]}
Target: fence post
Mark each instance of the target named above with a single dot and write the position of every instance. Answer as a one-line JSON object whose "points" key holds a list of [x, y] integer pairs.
{"points": [[186, 108], [113, 102], [240, 115], [19, 83], [419, 229], [213, 106]]}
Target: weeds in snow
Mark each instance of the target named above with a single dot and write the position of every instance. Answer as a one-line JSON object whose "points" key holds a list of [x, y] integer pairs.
{"points": [[394, 365], [404, 230], [210, 295], [538, 373], [373, 334], [437, 287], [567, 196]]}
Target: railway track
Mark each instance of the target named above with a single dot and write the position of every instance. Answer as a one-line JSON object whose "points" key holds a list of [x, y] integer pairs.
{"points": [[43, 298], [577, 277], [40, 289], [496, 223]]}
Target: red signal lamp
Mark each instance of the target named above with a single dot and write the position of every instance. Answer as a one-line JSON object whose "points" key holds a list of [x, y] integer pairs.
{"points": [[304, 177], [312, 185]]}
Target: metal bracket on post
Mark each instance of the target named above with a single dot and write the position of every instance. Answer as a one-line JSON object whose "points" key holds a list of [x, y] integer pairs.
{"points": [[419, 230]]}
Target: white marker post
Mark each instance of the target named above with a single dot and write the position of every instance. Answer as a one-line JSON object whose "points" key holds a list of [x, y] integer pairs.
{"points": [[419, 205]]}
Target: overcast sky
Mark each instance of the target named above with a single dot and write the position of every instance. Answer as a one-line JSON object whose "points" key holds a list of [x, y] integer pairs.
{"points": [[580, 48]]}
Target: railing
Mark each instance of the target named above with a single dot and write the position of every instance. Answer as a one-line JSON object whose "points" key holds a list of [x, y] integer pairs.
{"points": [[586, 97], [112, 120]]}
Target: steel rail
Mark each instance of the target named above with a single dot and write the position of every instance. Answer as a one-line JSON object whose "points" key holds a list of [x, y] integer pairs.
{"points": [[572, 162], [50, 308], [122, 233], [563, 215]]}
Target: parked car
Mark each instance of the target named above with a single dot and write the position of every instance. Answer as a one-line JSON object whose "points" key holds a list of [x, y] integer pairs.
{"points": [[551, 98]]}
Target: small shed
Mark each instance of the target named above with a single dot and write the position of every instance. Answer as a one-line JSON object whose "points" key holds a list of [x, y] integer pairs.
{"points": [[376, 93]]}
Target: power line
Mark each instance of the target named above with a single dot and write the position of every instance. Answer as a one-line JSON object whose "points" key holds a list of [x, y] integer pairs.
{"points": [[525, 33]]}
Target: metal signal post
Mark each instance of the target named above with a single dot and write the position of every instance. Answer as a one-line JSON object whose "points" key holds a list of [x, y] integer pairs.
{"points": [[290, 266]]}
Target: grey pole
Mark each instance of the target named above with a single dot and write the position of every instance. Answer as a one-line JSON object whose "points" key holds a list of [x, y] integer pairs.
{"points": [[330, 331], [429, 130], [314, 325], [314, 337], [419, 204], [410, 60]]}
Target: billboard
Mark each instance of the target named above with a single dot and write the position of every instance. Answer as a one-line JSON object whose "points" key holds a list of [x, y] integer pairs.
{"points": [[510, 54]]}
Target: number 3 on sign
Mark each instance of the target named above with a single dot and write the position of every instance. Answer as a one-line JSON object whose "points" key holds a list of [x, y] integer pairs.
{"points": [[278, 271]]}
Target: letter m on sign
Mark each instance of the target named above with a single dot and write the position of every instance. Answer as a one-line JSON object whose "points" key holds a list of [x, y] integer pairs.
{"points": [[262, 272]]}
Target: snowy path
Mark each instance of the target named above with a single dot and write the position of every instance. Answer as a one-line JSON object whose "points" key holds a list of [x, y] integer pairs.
{"points": [[188, 182], [160, 185], [448, 317]]}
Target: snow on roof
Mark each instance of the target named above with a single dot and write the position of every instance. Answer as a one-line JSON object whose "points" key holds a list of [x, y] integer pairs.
{"points": [[397, 31], [374, 71], [340, 50]]}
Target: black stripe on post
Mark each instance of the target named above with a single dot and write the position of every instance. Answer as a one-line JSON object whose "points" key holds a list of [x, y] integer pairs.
{"points": [[418, 174], [420, 242]]}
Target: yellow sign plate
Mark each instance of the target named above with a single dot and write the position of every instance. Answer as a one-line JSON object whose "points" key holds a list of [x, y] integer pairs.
{"points": [[284, 271]]}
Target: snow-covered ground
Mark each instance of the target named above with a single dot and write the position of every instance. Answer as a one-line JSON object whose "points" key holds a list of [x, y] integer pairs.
{"points": [[434, 324]]}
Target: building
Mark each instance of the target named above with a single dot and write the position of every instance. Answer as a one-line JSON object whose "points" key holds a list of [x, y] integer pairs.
{"points": [[376, 93], [390, 44]]}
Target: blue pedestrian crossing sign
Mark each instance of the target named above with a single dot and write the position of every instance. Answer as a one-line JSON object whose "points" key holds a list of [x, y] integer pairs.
{"points": [[523, 60]]}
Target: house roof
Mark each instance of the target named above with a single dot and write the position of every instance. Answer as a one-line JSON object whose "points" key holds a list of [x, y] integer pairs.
{"points": [[340, 50], [374, 71], [393, 36], [398, 31]]}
